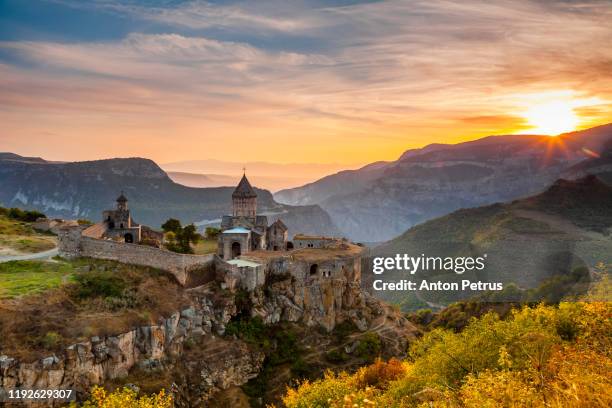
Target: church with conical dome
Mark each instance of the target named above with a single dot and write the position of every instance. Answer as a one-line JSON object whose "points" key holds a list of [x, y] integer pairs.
{"points": [[245, 231]]}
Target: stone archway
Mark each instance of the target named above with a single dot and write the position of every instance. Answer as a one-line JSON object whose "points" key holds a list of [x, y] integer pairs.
{"points": [[314, 268], [289, 246], [129, 238], [236, 250]]}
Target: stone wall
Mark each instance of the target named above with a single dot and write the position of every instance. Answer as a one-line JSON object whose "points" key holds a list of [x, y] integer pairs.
{"points": [[53, 225], [246, 277], [73, 244], [300, 242]]}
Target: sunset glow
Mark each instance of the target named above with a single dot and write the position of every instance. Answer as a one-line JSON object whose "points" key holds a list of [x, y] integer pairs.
{"points": [[552, 118], [348, 82]]}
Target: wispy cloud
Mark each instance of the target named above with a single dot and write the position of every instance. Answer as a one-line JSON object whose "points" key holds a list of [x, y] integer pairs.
{"points": [[392, 74], [274, 16]]}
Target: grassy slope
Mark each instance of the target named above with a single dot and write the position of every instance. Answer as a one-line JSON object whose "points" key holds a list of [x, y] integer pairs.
{"points": [[21, 237], [205, 247], [47, 306], [18, 278]]}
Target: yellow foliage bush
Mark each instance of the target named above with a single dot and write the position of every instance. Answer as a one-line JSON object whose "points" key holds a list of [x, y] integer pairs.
{"points": [[125, 398], [543, 356]]}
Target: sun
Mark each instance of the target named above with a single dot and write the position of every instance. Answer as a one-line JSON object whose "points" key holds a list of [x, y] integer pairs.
{"points": [[552, 118]]}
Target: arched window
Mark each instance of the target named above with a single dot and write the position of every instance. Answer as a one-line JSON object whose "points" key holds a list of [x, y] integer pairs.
{"points": [[314, 268]]}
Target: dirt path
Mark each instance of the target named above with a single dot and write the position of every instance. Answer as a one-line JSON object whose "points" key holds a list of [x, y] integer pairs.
{"points": [[27, 257]]}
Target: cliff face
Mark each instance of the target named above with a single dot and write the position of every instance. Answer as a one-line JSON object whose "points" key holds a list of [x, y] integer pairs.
{"points": [[147, 348], [322, 288]]}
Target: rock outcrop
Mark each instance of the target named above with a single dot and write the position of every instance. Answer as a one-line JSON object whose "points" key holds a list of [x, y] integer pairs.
{"points": [[154, 347]]}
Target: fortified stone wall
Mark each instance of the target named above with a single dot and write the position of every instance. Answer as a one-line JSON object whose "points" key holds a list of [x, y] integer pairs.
{"points": [[246, 277], [73, 244], [300, 241]]}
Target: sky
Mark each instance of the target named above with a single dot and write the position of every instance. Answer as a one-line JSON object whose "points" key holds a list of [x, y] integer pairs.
{"points": [[344, 82]]}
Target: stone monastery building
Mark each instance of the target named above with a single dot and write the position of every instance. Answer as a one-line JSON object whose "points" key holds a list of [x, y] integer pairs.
{"points": [[245, 231]]}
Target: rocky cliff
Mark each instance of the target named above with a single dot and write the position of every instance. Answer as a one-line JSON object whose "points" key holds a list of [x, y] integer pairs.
{"points": [[147, 348]]}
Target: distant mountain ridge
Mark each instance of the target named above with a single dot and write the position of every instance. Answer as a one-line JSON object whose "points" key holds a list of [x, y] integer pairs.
{"points": [[269, 175], [84, 189], [527, 241], [380, 201], [202, 180]]}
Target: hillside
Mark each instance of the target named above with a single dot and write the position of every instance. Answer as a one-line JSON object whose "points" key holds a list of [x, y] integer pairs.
{"points": [[18, 237], [85, 189], [545, 356], [380, 201], [526, 241]]}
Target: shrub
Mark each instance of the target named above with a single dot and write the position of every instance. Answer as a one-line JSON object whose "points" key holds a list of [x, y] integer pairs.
{"points": [[125, 398], [24, 215], [99, 284], [336, 356], [51, 340], [286, 349], [369, 346], [300, 368], [380, 373], [342, 330], [252, 330]]}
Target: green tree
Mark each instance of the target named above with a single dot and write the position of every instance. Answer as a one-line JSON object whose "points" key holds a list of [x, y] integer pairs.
{"points": [[172, 225], [212, 232], [179, 239]]}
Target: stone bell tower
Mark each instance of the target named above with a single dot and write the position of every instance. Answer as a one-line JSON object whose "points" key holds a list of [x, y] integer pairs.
{"points": [[122, 202], [244, 199]]}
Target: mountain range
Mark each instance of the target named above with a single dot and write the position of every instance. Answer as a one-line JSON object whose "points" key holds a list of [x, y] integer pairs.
{"points": [[382, 200], [268, 175], [526, 241], [85, 189]]}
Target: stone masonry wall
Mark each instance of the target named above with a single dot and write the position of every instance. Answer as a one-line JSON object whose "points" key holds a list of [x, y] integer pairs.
{"points": [[73, 244], [246, 277]]}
